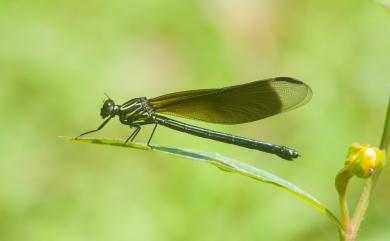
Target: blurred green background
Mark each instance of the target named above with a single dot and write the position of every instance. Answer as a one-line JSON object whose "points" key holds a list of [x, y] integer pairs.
{"points": [[57, 58]]}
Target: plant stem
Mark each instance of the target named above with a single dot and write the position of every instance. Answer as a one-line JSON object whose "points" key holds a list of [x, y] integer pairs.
{"points": [[364, 200], [344, 212], [344, 216], [386, 131], [342, 179], [360, 210]]}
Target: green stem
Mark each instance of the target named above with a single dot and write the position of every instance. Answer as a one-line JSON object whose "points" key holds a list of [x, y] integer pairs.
{"points": [[360, 211], [364, 200], [342, 179], [344, 216], [386, 131], [344, 211]]}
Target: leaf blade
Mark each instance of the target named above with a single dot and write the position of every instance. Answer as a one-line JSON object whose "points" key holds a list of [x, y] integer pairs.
{"points": [[223, 163]]}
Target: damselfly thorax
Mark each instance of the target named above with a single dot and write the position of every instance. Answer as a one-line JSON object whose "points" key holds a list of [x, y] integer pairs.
{"points": [[135, 110]]}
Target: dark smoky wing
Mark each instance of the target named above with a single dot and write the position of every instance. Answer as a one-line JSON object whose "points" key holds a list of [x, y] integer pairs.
{"points": [[235, 104]]}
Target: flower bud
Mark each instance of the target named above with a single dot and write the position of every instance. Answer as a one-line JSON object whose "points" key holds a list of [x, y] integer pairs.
{"points": [[364, 160]]}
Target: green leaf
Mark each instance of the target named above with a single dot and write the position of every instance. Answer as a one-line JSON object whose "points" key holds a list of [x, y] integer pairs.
{"points": [[385, 142], [223, 163]]}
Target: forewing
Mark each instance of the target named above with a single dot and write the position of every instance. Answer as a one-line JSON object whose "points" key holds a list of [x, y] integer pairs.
{"points": [[235, 104]]}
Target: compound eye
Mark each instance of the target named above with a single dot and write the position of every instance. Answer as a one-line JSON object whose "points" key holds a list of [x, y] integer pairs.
{"points": [[109, 105], [107, 109]]}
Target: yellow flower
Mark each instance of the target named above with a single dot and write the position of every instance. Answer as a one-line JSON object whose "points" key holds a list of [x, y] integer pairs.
{"points": [[364, 160]]}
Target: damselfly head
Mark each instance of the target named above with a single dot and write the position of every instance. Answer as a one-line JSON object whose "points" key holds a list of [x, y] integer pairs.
{"points": [[108, 109]]}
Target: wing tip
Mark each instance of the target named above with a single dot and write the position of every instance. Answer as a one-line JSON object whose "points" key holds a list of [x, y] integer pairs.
{"points": [[300, 84], [290, 80]]}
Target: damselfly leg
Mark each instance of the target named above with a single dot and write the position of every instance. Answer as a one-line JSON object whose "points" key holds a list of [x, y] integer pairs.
{"points": [[150, 138], [138, 129], [98, 129], [134, 133]]}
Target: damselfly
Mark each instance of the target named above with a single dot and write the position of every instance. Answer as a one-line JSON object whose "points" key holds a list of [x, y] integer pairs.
{"points": [[230, 105]]}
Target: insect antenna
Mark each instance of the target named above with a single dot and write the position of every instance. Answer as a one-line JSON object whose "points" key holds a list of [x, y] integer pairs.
{"points": [[108, 97]]}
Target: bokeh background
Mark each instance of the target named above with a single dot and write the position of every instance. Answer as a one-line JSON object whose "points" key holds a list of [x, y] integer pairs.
{"points": [[58, 58]]}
